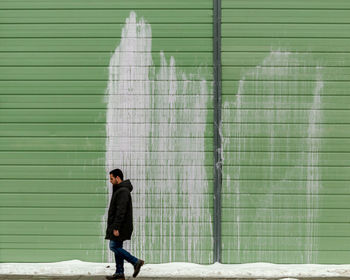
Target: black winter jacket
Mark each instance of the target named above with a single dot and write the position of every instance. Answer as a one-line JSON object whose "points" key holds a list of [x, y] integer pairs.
{"points": [[120, 212]]}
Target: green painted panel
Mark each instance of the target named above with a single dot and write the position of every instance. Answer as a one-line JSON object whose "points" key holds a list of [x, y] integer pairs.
{"points": [[285, 30], [60, 240], [92, 59], [288, 244], [178, 228], [158, 256], [73, 73], [285, 117], [52, 130], [273, 102], [52, 87], [74, 186], [83, 172], [54, 200], [93, 130], [52, 158], [55, 59], [49, 255], [52, 255], [91, 228], [286, 229], [286, 158], [53, 172], [98, 159], [51, 143], [17, 101], [285, 257], [287, 73], [271, 246], [286, 44], [190, 30], [291, 215], [89, 16], [50, 245], [86, 116], [67, 239], [80, 214], [106, 4], [88, 102], [179, 242], [283, 130], [92, 200], [298, 116], [183, 255], [47, 143], [287, 88], [281, 201], [286, 173], [253, 59], [63, 88], [52, 115], [295, 4], [53, 186], [284, 15], [283, 187], [50, 228], [286, 144], [100, 45]]}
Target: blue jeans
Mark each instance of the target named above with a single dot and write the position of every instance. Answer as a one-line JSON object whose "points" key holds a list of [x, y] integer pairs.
{"points": [[120, 255]]}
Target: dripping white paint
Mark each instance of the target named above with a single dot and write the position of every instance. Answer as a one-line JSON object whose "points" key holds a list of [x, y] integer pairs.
{"points": [[265, 121], [156, 127]]}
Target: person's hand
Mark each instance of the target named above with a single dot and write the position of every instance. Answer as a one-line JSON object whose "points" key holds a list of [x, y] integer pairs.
{"points": [[116, 232]]}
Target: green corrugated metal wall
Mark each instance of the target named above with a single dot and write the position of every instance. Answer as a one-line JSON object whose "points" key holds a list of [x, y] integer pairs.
{"points": [[54, 75], [285, 131], [285, 126]]}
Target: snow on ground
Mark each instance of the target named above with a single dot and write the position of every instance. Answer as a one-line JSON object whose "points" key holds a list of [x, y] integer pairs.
{"points": [[254, 270]]}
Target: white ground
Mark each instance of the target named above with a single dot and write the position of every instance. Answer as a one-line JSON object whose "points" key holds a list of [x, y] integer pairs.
{"points": [[256, 270]]}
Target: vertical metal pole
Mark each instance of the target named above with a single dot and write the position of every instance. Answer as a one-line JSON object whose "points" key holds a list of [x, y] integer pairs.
{"points": [[217, 128]]}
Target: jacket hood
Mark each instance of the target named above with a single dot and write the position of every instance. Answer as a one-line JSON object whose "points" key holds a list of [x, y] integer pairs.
{"points": [[124, 184]]}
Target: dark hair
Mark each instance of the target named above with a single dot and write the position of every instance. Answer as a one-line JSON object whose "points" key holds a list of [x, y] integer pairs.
{"points": [[117, 172]]}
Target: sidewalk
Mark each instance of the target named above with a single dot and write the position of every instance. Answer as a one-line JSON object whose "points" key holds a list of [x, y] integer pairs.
{"points": [[78, 270], [43, 277]]}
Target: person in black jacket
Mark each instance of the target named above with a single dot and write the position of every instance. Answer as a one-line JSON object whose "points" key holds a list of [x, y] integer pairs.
{"points": [[119, 224]]}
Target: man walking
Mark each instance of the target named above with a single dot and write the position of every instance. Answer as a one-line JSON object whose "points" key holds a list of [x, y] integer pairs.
{"points": [[119, 224]]}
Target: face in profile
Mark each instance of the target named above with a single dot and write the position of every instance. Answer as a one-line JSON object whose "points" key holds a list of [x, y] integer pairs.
{"points": [[113, 179]]}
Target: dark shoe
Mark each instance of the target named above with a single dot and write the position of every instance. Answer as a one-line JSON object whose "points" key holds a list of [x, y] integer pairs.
{"points": [[137, 267], [115, 276]]}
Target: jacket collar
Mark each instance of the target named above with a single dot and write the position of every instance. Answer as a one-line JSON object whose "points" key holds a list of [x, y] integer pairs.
{"points": [[123, 184], [116, 187]]}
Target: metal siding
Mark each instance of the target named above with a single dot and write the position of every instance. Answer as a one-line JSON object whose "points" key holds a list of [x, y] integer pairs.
{"points": [[54, 74], [285, 131]]}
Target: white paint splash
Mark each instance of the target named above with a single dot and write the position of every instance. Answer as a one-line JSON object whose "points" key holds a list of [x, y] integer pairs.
{"points": [[262, 102], [156, 126], [313, 174]]}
